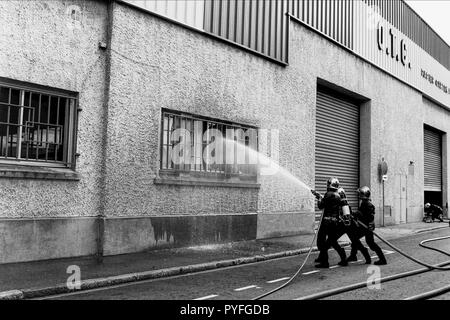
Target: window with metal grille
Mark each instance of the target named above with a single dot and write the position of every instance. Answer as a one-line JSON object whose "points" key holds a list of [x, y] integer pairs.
{"points": [[198, 144], [36, 126]]}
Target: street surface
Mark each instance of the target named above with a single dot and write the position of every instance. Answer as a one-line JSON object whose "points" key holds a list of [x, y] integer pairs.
{"points": [[248, 281]]}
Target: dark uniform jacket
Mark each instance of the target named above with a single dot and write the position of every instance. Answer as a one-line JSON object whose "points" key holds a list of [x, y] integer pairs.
{"points": [[331, 204], [434, 210], [366, 214]]}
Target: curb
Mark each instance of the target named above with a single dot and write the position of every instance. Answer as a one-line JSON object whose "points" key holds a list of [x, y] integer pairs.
{"points": [[11, 295], [147, 275]]}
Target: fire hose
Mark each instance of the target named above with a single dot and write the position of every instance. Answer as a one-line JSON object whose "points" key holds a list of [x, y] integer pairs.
{"points": [[299, 269], [422, 244]]}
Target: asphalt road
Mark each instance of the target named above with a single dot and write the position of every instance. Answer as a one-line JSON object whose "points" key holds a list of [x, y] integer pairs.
{"points": [[248, 281]]}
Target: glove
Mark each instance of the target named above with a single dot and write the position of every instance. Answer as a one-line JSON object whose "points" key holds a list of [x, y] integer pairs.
{"points": [[330, 220], [316, 194]]}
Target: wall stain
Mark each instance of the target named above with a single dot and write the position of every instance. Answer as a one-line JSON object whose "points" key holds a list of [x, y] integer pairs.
{"points": [[182, 231]]}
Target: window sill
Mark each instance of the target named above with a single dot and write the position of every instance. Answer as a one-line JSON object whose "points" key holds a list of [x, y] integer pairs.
{"points": [[32, 172]]}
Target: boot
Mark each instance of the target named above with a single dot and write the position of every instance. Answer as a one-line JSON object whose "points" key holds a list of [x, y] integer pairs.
{"points": [[381, 262], [352, 257], [381, 259], [322, 257], [322, 265], [323, 260], [366, 255], [343, 261]]}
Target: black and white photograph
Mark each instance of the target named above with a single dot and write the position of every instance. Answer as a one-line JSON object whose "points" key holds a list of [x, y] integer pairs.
{"points": [[217, 157]]}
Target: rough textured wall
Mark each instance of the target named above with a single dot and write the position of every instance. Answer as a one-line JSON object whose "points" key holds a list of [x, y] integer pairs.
{"points": [[397, 114], [43, 44], [161, 65], [156, 64]]}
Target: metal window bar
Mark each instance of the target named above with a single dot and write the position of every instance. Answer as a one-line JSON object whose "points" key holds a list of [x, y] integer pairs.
{"points": [[47, 128], [56, 132], [36, 143], [19, 129], [30, 114], [7, 120]]}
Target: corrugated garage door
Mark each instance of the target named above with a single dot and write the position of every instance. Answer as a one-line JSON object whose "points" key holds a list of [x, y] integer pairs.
{"points": [[337, 145], [432, 160]]}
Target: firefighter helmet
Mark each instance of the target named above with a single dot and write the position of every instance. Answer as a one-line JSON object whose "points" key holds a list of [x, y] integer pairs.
{"points": [[364, 192], [427, 206], [333, 184]]}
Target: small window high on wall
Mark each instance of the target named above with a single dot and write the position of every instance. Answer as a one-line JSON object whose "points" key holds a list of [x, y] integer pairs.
{"points": [[37, 127]]}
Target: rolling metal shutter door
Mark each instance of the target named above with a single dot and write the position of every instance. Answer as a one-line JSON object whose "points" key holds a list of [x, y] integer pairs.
{"points": [[432, 161], [337, 145]]}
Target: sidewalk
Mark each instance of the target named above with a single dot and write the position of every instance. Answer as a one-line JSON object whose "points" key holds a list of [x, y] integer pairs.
{"points": [[32, 279]]}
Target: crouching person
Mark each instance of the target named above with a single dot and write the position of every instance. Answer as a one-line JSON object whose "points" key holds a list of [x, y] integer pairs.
{"points": [[366, 214], [432, 212]]}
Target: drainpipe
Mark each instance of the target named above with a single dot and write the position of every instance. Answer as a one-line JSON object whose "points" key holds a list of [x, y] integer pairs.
{"points": [[382, 223], [382, 170], [406, 217], [101, 217]]}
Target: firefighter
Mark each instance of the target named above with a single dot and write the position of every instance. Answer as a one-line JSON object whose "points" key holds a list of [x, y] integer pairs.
{"points": [[365, 214], [348, 225], [432, 212], [331, 204]]}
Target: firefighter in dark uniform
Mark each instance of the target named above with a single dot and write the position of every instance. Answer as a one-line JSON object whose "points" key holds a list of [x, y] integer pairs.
{"points": [[348, 226], [366, 214], [331, 204], [432, 212]]}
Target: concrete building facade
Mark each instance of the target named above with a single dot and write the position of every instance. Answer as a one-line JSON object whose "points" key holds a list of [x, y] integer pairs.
{"points": [[122, 68]]}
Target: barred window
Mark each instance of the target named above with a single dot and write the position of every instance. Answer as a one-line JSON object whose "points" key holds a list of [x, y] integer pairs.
{"points": [[36, 126], [199, 144]]}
